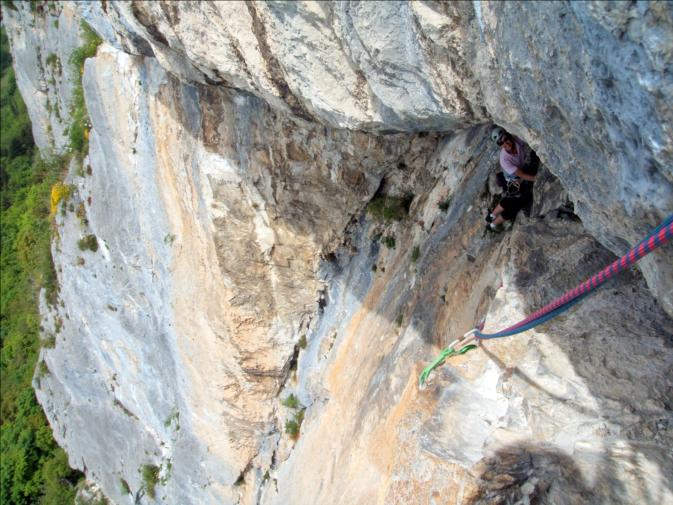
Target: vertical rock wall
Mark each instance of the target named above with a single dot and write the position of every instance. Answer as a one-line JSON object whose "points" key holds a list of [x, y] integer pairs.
{"points": [[234, 147], [42, 40]]}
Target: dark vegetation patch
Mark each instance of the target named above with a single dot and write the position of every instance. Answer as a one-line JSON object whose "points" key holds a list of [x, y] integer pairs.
{"points": [[415, 254], [444, 204], [290, 402], [293, 425], [385, 209], [389, 241], [124, 486], [150, 478], [88, 243]]}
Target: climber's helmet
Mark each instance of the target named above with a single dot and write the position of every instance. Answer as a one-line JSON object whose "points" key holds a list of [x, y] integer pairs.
{"points": [[498, 135]]}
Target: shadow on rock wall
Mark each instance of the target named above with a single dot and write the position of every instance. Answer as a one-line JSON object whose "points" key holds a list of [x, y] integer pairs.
{"points": [[541, 474], [530, 474]]}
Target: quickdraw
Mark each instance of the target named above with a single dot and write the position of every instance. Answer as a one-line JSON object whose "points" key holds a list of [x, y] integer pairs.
{"points": [[463, 346]]}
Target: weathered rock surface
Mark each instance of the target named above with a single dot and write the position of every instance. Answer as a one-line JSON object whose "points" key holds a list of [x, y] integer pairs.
{"points": [[42, 40], [557, 414], [176, 335], [585, 84], [233, 149]]}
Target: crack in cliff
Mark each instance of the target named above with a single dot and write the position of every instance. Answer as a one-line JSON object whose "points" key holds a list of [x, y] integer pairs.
{"points": [[144, 18], [273, 66]]}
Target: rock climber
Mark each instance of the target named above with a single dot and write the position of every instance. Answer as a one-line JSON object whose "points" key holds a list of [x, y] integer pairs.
{"points": [[519, 166]]}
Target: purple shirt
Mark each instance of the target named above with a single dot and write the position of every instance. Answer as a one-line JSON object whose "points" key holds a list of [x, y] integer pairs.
{"points": [[510, 163]]}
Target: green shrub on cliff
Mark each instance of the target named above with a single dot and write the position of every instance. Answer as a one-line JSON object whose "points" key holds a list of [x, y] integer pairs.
{"points": [[90, 243], [385, 209], [291, 402], [150, 477], [78, 131], [415, 254], [389, 241]]}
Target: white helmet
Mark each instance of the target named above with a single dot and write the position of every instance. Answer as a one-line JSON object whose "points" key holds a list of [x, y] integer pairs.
{"points": [[498, 135]]}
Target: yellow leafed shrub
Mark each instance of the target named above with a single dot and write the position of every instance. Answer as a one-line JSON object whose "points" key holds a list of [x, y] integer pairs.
{"points": [[59, 192]]}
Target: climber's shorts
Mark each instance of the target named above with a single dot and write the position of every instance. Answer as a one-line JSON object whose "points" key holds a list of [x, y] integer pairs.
{"points": [[513, 205]]}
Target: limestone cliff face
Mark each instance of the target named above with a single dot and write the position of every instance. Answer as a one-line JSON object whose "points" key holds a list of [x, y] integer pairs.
{"points": [[585, 84], [42, 42], [234, 148]]}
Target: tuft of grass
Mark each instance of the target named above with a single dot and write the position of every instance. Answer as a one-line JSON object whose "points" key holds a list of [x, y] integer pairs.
{"points": [[89, 242], [173, 418], [385, 209], [49, 342], [81, 215], [88, 49], [293, 426], [389, 241], [302, 342], [415, 254], [54, 63], [9, 4], [290, 402], [43, 369], [150, 478], [399, 320], [167, 473]]}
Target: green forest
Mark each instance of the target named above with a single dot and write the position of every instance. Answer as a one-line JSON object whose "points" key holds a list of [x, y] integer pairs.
{"points": [[33, 468]]}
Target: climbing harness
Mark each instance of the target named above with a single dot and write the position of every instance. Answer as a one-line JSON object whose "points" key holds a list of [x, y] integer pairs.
{"points": [[513, 189], [658, 237]]}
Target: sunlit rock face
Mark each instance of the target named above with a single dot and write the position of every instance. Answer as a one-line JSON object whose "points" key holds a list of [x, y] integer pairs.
{"points": [[233, 151], [210, 234]]}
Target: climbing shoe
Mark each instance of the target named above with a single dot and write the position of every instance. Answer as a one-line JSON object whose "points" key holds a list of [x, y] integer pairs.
{"points": [[490, 218]]}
